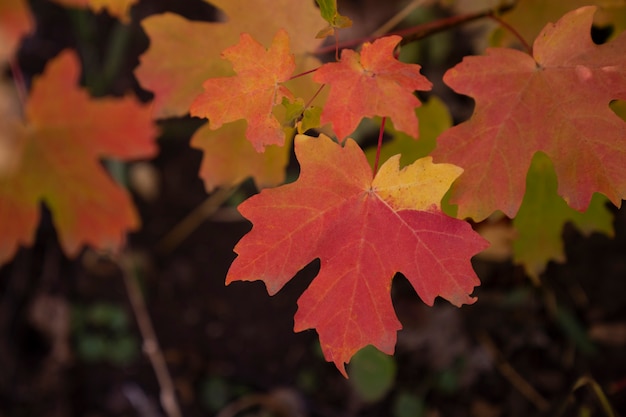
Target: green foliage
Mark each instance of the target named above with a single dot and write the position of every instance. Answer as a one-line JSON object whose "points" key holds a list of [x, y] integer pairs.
{"points": [[372, 373]]}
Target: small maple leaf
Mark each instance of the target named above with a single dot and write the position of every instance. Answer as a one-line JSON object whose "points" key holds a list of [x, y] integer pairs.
{"points": [[363, 230], [557, 102], [328, 9], [372, 83], [253, 92], [61, 143]]}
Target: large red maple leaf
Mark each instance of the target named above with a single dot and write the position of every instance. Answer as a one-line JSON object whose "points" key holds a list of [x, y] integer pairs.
{"points": [[557, 102], [363, 230], [60, 146], [371, 83], [253, 92]]}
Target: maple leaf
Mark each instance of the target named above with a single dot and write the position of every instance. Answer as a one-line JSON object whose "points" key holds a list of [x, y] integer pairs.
{"points": [[65, 135], [193, 50], [557, 102], [372, 83], [328, 9], [117, 8], [253, 92], [529, 17], [15, 22], [229, 158], [363, 230]]}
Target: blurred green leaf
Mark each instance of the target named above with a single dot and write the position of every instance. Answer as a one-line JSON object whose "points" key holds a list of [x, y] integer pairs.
{"points": [[372, 373], [542, 215]]}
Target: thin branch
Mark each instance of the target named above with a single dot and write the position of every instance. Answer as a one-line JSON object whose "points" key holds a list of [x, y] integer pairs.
{"points": [[422, 31], [194, 219], [398, 17], [381, 133], [18, 80], [513, 376], [150, 342], [514, 32]]}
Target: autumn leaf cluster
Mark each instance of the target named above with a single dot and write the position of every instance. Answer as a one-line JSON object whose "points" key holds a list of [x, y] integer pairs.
{"points": [[545, 145]]}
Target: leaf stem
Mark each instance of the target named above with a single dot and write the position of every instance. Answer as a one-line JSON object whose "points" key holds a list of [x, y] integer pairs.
{"points": [[302, 74], [319, 90], [514, 32], [381, 133], [18, 80]]}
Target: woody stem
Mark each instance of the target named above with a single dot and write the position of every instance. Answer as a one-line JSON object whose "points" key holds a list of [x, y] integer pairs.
{"points": [[381, 132]]}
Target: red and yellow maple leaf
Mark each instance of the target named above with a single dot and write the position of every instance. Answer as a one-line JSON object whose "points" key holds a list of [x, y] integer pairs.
{"points": [[364, 230], [371, 83], [15, 22], [557, 102], [253, 92], [61, 143], [117, 8]]}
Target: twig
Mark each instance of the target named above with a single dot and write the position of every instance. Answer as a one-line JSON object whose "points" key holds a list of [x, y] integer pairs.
{"points": [[513, 376], [398, 17], [587, 380], [150, 342], [18, 80], [194, 219], [424, 30]]}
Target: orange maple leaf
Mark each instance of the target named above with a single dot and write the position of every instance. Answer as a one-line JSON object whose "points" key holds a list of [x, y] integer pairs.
{"points": [[253, 92], [65, 135], [194, 49], [364, 230], [372, 83], [15, 22], [556, 102]]}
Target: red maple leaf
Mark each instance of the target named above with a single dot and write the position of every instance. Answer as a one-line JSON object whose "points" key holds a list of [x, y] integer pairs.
{"points": [[253, 92], [556, 102], [61, 144], [363, 230], [372, 83]]}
